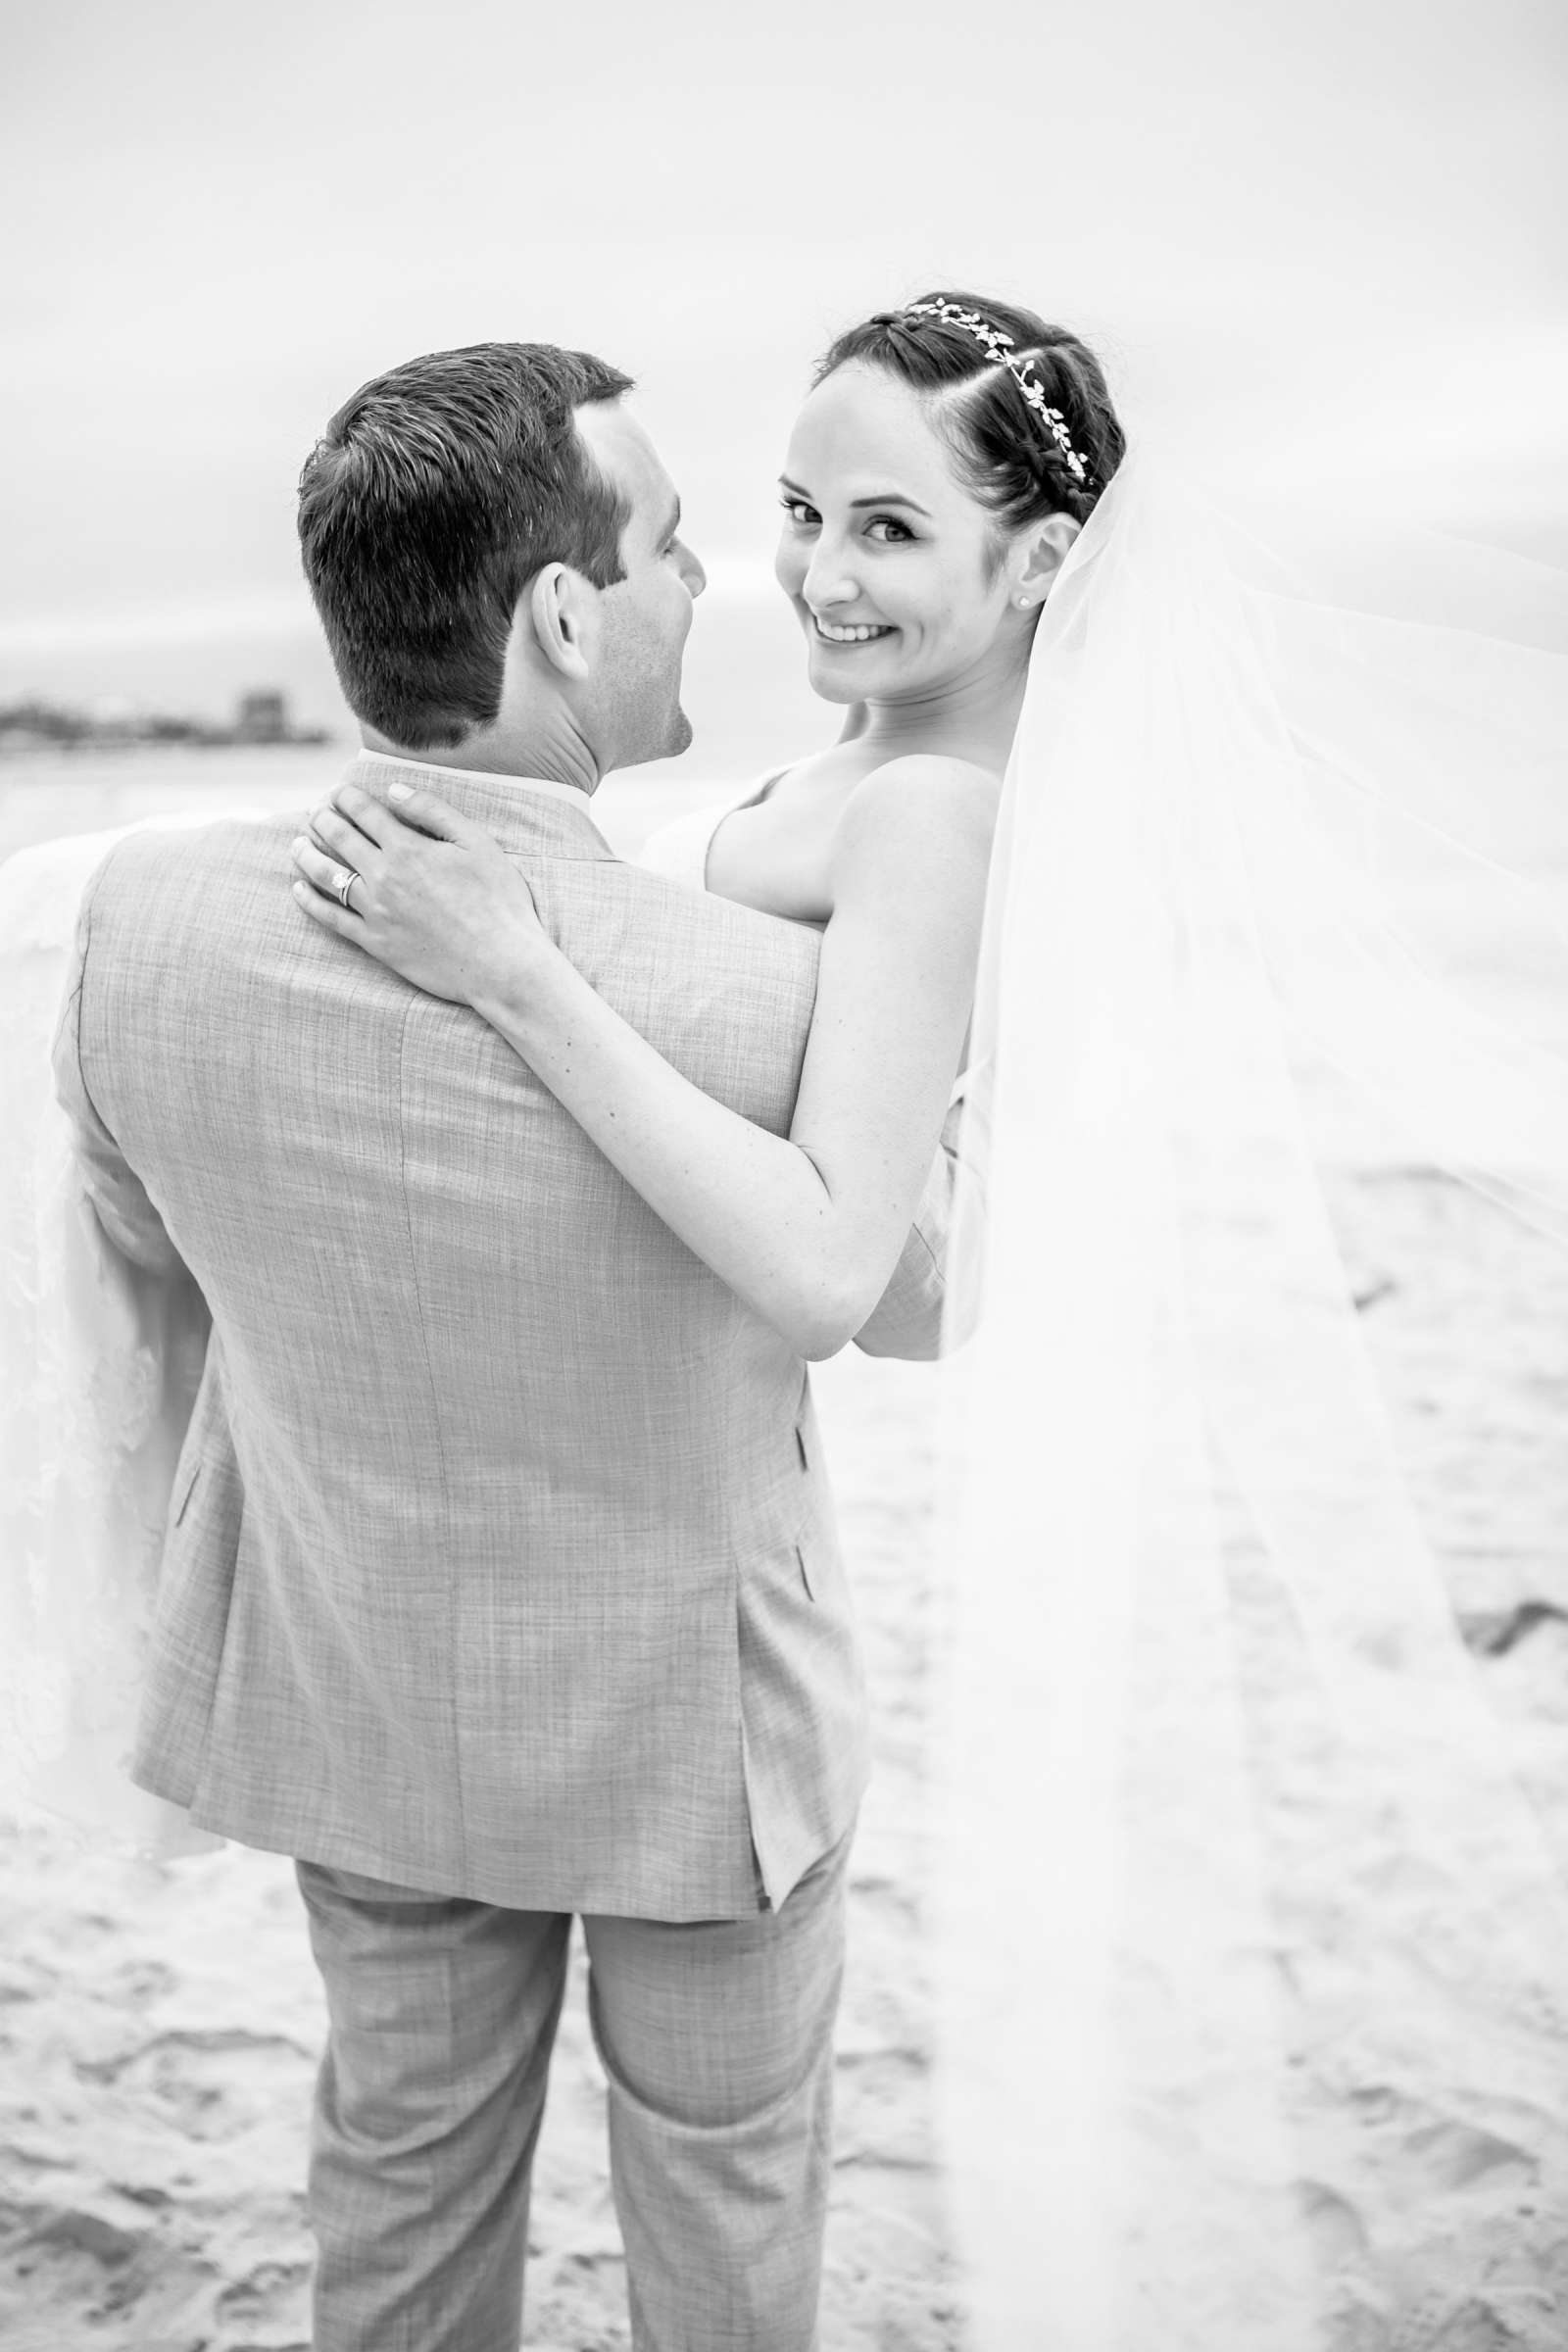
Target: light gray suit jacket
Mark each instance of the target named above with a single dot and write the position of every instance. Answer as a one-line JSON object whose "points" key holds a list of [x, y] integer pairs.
{"points": [[502, 1563]]}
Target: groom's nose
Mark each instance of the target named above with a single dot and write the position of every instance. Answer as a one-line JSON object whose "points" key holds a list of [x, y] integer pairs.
{"points": [[691, 572]]}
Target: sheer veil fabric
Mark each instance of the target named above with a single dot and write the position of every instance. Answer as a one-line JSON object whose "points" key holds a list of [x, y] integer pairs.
{"points": [[99, 1366], [1183, 1951]]}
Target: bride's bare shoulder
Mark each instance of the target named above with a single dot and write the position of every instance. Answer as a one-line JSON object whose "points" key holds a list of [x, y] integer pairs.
{"points": [[924, 803]]}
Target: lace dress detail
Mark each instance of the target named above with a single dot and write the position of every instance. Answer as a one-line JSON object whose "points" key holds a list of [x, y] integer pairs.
{"points": [[99, 1364]]}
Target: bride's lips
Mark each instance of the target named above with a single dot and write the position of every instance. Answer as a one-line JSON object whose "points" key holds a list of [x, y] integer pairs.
{"points": [[857, 633]]}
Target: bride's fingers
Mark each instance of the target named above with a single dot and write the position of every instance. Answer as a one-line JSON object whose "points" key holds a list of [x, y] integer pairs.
{"points": [[326, 911], [367, 816], [426, 812], [343, 840], [323, 874]]}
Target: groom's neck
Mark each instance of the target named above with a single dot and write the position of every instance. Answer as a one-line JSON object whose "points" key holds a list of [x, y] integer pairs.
{"points": [[551, 749]]}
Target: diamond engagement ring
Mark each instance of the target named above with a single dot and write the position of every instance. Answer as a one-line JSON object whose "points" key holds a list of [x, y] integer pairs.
{"points": [[343, 882]]}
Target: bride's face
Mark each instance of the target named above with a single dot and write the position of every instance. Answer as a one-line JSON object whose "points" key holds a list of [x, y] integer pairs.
{"points": [[887, 560]]}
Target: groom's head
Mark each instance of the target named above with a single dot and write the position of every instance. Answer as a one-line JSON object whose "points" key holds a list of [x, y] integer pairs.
{"points": [[491, 545]]}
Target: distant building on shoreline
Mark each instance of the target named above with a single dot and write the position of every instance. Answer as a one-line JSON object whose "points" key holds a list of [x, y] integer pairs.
{"points": [[262, 718]]}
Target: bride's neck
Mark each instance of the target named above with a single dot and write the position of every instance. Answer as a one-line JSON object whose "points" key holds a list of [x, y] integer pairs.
{"points": [[970, 718]]}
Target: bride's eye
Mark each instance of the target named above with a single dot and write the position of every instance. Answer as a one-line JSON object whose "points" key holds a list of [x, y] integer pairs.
{"points": [[892, 524], [800, 514]]}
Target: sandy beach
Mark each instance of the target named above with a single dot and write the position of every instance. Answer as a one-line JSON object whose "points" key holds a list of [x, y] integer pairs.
{"points": [[160, 2027]]}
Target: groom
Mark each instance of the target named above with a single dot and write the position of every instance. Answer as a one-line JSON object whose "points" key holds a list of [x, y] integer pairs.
{"points": [[501, 1581]]}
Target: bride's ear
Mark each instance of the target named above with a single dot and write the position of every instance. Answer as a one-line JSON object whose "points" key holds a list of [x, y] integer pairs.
{"points": [[1040, 558], [554, 615]]}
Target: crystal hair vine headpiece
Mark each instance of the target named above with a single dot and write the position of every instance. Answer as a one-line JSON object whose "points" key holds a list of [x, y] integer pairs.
{"points": [[998, 349]]}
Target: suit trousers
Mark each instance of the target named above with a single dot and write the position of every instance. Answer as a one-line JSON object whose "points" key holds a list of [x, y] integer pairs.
{"points": [[716, 2040]]}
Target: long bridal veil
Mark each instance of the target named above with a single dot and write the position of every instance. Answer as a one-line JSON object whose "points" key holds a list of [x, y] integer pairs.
{"points": [[99, 1366], [1197, 1946]]}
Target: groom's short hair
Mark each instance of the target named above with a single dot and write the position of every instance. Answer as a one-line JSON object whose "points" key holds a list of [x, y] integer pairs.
{"points": [[432, 499]]}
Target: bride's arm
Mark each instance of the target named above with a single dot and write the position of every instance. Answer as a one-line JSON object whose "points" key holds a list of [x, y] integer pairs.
{"points": [[807, 1230]]}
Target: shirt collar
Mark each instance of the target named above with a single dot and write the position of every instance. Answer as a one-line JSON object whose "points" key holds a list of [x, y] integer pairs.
{"points": [[496, 800], [574, 795]]}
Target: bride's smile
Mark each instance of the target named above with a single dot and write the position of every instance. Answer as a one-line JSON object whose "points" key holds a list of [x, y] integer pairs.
{"points": [[861, 632]]}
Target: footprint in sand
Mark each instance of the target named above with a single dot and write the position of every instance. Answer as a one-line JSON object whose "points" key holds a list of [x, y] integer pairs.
{"points": [[214, 2085], [1335, 2228], [274, 2290]]}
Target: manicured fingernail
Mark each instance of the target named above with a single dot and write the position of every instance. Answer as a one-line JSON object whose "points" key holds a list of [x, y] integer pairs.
{"points": [[297, 888], [399, 792]]}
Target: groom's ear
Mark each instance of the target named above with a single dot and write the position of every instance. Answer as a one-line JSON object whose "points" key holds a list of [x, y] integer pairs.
{"points": [[554, 613]]}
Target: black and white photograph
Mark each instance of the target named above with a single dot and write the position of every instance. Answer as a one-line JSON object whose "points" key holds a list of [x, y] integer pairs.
{"points": [[784, 1178]]}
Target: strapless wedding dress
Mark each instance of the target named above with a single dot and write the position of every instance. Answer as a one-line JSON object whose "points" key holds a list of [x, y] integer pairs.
{"points": [[679, 851]]}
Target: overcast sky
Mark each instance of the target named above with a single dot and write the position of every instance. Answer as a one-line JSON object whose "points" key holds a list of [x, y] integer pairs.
{"points": [[1328, 237]]}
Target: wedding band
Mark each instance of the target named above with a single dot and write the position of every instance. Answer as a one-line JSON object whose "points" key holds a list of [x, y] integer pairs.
{"points": [[343, 882]]}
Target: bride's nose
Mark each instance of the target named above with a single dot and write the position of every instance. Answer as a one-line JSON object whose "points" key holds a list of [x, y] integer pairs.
{"points": [[828, 579]]}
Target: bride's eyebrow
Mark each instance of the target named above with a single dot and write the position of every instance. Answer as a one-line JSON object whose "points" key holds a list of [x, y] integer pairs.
{"points": [[891, 498], [883, 498]]}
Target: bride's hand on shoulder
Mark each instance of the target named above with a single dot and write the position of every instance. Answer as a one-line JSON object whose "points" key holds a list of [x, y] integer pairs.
{"points": [[426, 892]]}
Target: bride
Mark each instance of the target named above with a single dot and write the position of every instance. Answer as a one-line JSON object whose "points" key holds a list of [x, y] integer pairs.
{"points": [[1182, 1965]]}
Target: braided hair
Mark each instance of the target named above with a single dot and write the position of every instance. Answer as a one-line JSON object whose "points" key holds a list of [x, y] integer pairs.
{"points": [[1011, 460]]}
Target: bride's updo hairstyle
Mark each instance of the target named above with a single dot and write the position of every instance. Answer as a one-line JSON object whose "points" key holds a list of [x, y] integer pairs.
{"points": [[1025, 455]]}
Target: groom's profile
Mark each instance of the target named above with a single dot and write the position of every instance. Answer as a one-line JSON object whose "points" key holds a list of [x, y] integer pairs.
{"points": [[501, 1581]]}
